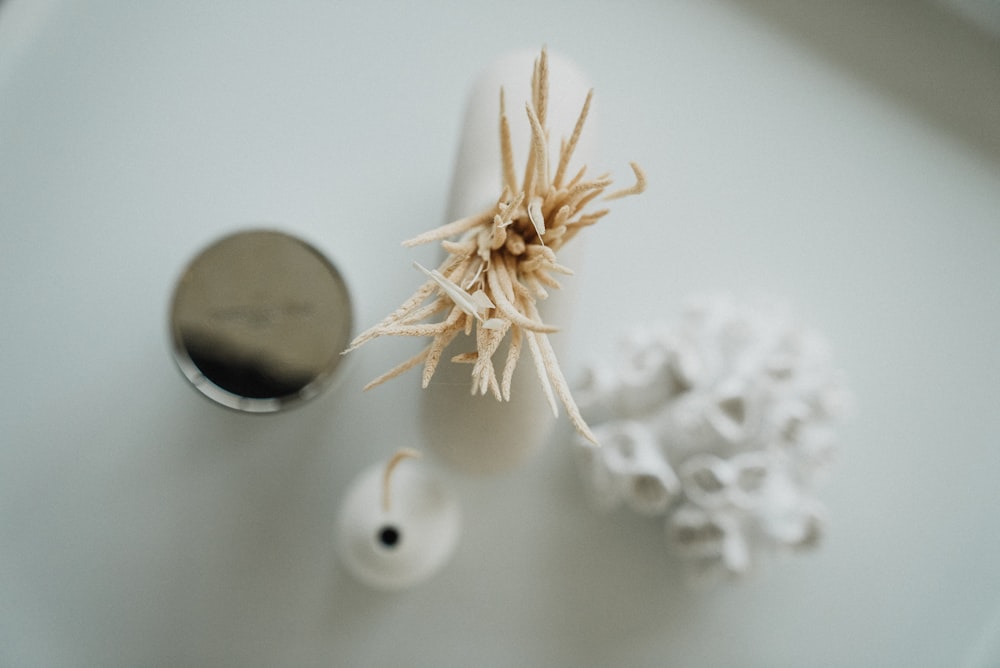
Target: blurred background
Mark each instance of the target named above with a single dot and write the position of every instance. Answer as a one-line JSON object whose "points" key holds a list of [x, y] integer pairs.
{"points": [[842, 156]]}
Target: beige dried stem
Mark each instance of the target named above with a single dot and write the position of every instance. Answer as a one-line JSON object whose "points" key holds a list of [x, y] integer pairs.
{"points": [[394, 461], [500, 262]]}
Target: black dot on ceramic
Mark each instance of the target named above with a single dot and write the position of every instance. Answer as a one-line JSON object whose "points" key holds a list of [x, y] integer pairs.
{"points": [[389, 536]]}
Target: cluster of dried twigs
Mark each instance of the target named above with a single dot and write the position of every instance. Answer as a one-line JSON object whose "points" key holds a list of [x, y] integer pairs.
{"points": [[500, 263]]}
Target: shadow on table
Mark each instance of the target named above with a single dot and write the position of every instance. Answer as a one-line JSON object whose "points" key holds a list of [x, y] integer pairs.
{"points": [[944, 67]]}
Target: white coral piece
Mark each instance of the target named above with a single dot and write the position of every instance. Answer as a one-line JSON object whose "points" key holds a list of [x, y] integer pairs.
{"points": [[721, 424], [629, 467]]}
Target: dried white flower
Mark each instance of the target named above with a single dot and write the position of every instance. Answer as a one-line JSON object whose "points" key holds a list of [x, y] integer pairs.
{"points": [[505, 255]]}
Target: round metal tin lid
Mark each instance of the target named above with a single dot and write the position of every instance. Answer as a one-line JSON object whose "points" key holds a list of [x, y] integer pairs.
{"points": [[259, 320]]}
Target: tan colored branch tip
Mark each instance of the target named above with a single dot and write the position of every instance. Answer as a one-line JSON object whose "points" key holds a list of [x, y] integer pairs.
{"points": [[401, 454], [497, 262]]}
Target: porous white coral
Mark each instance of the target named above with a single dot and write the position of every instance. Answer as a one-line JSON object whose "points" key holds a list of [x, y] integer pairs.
{"points": [[722, 425]]}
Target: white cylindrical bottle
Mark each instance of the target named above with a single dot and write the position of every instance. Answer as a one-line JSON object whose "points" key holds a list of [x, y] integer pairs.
{"points": [[477, 434]]}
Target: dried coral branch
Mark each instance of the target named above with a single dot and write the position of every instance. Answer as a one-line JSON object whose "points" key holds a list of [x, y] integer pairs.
{"points": [[640, 184], [500, 260]]}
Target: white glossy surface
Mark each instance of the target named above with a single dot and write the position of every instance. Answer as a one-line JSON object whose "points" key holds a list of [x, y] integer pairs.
{"points": [[845, 156]]}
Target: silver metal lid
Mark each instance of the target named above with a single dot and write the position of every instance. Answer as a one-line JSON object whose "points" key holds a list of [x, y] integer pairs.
{"points": [[258, 321]]}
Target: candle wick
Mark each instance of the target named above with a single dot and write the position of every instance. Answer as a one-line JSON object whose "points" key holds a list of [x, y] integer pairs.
{"points": [[399, 456]]}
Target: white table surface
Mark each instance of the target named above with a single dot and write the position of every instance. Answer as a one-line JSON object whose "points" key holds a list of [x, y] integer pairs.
{"points": [[844, 156]]}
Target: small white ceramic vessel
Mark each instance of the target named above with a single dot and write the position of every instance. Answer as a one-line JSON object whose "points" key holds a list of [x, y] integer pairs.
{"points": [[407, 542]]}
